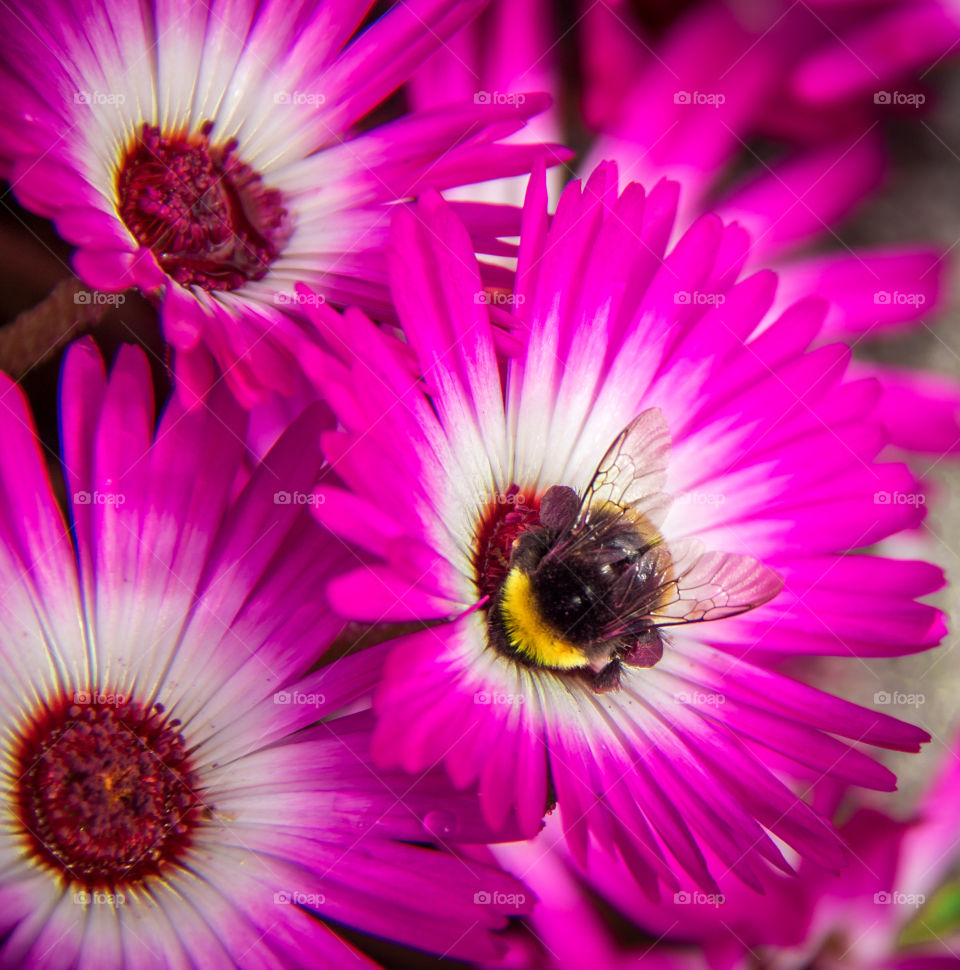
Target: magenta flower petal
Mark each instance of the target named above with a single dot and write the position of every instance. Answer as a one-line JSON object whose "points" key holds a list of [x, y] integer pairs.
{"points": [[881, 50], [804, 197], [870, 291], [908, 394]]}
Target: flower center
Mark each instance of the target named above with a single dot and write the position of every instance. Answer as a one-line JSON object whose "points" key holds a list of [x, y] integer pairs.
{"points": [[106, 794], [571, 591], [512, 514], [205, 215]]}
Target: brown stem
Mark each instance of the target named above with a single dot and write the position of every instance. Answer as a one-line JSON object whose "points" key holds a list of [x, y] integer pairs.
{"points": [[69, 310]]}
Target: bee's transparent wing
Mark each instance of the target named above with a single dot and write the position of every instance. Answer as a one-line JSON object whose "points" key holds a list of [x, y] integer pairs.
{"points": [[710, 585], [633, 472]]}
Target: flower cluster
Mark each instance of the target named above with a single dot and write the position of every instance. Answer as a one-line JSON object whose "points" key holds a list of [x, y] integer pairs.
{"points": [[457, 556]]}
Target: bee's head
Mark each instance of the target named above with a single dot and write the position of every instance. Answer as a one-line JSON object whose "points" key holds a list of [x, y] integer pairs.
{"points": [[558, 508]]}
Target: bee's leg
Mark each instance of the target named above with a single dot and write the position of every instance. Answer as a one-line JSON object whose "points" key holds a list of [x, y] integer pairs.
{"points": [[606, 679], [647, 651]]}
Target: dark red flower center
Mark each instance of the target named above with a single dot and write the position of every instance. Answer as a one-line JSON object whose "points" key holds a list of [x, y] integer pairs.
{"points": [[107, 795], [511, 514], [206, 216]]}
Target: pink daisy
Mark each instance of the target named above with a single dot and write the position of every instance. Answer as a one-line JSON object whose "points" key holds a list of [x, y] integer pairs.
{"points": [[177, 790], [215, 154], [686, 457]]}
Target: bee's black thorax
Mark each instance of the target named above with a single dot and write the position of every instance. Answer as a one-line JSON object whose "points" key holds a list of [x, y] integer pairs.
{"points": [[577, 589]]}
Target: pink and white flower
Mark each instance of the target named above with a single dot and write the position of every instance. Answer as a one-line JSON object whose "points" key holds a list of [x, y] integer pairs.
{"points": [[177, 789], [213, 155], [770, 475]]}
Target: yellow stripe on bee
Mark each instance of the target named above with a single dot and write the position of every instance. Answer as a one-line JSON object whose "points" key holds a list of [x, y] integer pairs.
{"points": [[528, 632]]}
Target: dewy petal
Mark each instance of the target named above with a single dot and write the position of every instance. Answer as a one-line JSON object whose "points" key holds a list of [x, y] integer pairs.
{"points": [[773, 457]]}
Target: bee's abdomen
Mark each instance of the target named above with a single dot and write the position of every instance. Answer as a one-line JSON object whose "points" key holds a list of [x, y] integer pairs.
{"points": [[519, 627]]}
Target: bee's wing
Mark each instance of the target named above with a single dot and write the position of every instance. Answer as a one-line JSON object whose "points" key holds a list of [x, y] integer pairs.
{"points": [[702, 585], [633, 472]]}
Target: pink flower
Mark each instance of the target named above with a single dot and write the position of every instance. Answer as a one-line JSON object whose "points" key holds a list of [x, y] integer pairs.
{"points": [[212, 155], [754, 462], [178, 789]]}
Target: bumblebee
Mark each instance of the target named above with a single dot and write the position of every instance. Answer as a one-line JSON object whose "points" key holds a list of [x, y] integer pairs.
{"points": [[592, 586]]}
